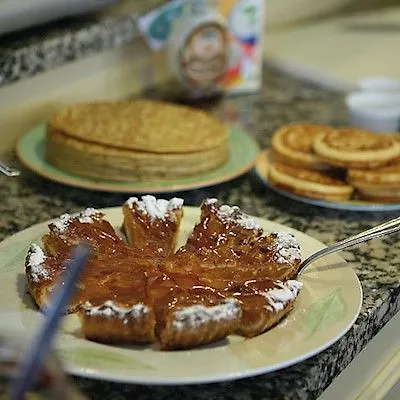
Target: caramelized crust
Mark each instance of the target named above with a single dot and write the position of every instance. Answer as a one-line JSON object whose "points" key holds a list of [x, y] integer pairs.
{"points": [[112, 323], [89, 226], [163, 220], [42, 272], [228, 246], [190, 315], [228, 278], [264, 303]]}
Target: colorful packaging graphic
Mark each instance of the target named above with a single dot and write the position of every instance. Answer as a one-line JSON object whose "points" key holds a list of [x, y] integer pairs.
{"points": [[210, 43]]}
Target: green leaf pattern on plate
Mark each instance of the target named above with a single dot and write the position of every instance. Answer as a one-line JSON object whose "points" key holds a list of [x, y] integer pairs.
{"points": [[96, 358], [13, 256], [324, 312]]}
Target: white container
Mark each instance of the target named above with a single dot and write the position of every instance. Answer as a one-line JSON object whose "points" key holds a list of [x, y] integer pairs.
{"points": [[377, 110], [379, 83]]}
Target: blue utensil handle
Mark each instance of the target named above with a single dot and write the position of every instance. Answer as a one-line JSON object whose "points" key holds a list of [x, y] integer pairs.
{"points": [[32, 360]]}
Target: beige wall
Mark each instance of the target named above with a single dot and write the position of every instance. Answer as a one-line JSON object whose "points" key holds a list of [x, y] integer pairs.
{"points": [[357, 5], [283, 12], [114, 74]]}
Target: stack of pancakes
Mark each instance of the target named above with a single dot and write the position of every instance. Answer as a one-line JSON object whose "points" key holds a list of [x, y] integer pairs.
{"points": [[321, 162], [135, 141]]}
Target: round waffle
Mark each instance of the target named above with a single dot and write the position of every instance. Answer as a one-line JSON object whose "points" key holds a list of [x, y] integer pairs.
{"points": [[304, 182], [384, 177], [391, 195], [293, 145], [355, 148], [380, 184]]}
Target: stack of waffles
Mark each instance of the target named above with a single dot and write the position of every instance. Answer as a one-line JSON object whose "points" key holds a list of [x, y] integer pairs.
{"points": [[336, 164]]}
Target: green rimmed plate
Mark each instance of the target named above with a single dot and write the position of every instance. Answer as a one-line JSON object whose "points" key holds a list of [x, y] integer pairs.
{"points": [[243, 153], [327, 307]]}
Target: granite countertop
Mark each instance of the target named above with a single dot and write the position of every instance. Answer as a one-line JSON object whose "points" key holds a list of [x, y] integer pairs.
{"points": [[29, 199], [31, 51]]}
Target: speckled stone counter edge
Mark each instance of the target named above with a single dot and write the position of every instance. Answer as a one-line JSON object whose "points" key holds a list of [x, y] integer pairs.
{"points": [[27, 53], [55, 51]]}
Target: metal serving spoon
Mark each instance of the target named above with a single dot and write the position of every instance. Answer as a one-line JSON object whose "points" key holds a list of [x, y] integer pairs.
{"points": [[384, 229]]}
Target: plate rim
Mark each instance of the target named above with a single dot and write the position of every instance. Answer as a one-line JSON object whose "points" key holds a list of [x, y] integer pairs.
{"points": [[350, 205], [111, 376], [129, 187]]}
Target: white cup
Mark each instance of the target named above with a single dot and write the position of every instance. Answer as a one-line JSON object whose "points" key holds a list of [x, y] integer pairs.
{"points": [[385, 83], [377, 110]]}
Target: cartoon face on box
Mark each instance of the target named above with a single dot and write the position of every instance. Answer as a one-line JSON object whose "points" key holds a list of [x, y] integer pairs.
{"points": [[204, 55]]}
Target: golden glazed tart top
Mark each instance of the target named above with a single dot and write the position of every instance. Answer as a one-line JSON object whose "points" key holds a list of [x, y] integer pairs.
{"points": [[224, 280]]}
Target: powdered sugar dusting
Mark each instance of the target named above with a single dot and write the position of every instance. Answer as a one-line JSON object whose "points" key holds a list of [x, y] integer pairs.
{"points": [[287, 248], [233, 215], [194, 317], [62, 223], [85, 217], [110, 309], [155, 208], [210, 201], [36, 259], [294, 286], [285, 293]]}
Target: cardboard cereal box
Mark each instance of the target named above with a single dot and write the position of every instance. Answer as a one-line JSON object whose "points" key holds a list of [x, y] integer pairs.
{"points": [[211, 45]]}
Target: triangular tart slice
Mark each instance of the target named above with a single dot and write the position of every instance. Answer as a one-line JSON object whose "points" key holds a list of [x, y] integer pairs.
{"points": [[263, 303], [232, 243], [113, 280], [190, 314], [152, 225], [88, 226], [228, 252], [118, 309]]}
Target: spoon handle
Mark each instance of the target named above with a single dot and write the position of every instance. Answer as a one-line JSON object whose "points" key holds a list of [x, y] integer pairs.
{"points": [[33, 358], [384, 229]]}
